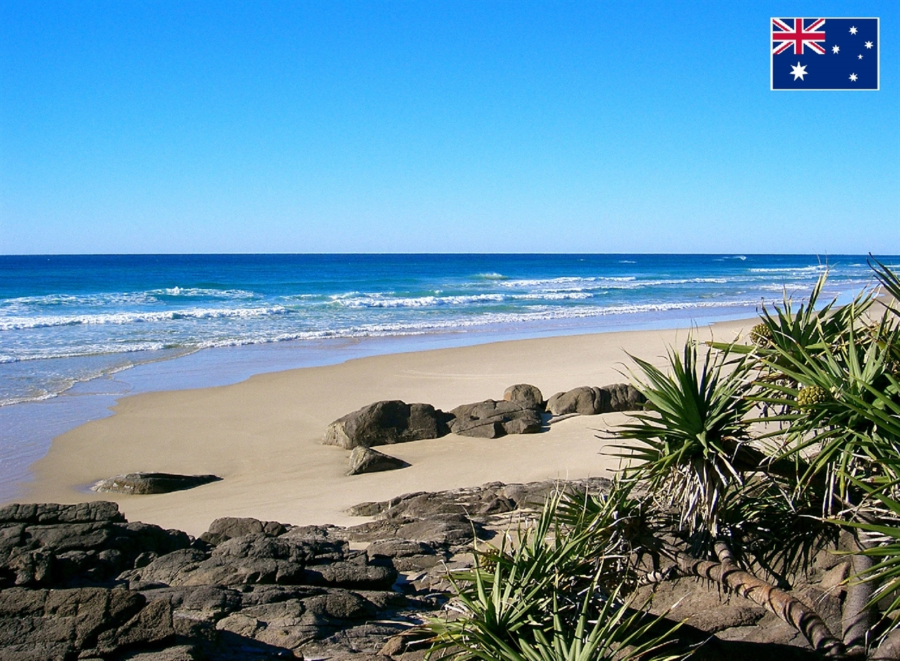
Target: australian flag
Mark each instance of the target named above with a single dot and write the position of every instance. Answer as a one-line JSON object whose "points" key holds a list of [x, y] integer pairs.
{"points": [[825, 53]]}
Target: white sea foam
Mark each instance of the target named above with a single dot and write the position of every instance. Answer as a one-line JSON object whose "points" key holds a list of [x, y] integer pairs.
{"points": [[381, 301], [568, 282], [24, 304], [200, 292], [121, 318], [791, 269], [553, 296], [683, 281], [76, 300]]}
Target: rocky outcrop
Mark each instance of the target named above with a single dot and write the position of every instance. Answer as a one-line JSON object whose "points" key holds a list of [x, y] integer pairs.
{"points": [[251, 589], [383, 423], [524, 394], [75, 545], [492, 419], [81, 582], [367, 460], [97, 622], [147, 483], [228, 527], [588, 400], [520, 412]]}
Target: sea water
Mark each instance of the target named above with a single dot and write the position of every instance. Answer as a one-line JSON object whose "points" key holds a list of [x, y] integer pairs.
{"points": [[77, 332]]}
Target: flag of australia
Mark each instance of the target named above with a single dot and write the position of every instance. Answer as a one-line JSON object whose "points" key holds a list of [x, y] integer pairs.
{"points": [[825, 53]]}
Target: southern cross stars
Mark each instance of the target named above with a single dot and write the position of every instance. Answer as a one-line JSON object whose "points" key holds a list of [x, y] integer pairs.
{"points": [[853, 30], [868, 44], [798, 71], [835, 49], [853, 77], [859, 56]]}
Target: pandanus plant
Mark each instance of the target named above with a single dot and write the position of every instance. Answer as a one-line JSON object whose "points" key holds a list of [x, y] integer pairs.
{"points": [[826, 380], [555, 595], [747, 461]]}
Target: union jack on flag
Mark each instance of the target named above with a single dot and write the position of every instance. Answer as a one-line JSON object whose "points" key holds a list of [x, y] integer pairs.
{"points": [[797, 36], [825, 53]]}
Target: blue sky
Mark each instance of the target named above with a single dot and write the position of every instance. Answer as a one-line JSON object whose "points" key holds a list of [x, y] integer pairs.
{"points": [[434, 127]]}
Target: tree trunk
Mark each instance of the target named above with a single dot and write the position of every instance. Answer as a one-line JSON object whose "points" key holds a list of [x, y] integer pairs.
{"points": [[857, 617], [889, 650], [788, 608]]}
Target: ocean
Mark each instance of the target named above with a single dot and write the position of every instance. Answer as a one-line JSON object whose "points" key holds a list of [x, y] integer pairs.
{"points": [[78, 332]]}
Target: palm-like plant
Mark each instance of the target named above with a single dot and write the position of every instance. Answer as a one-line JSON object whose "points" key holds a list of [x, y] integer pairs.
{"points": [[722, 501], [692, 443], [840, 434], [890, 281], [545, 599], [694, 454]]}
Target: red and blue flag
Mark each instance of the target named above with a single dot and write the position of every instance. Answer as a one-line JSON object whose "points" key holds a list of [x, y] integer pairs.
{"points": [[825, 53]]}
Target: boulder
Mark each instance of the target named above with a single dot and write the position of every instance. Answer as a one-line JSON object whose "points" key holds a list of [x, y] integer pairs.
{"points": [[624, 397], [75, 545], [384, 423], [229, 527], [50, 513], [148, 483], [584, 400], [588, 400], [58, 624], [524, 394], [367, 460], [492, 419]]}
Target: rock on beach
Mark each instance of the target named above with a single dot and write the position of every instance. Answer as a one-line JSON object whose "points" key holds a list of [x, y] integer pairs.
{"points": [[387, 422]]}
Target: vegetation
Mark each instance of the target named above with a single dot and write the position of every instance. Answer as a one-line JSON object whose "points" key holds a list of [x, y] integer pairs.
{"points": [[748, 461]]}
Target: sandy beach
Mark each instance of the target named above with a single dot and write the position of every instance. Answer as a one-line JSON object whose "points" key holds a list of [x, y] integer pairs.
{"points": [[263, 436]]}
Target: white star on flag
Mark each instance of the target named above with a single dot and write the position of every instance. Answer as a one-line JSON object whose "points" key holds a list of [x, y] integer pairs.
{"points": [[798, 71], [853, 77], [835, 49], [868, 44], [853, 30]]}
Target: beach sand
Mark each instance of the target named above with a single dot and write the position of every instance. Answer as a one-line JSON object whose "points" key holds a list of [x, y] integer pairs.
{"points": [[263, 436]]}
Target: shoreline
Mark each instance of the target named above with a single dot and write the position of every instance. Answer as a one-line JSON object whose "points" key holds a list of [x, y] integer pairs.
{"points": [[32, 425], [263, 435]]}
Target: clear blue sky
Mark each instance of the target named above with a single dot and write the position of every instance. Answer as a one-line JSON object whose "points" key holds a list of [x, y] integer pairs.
{"points": [[301, 126]]}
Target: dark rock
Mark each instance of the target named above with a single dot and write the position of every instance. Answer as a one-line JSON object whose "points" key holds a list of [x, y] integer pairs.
{"points": [[709, 610], [49, 513], [367, 460], [404, 554], [623, 397], [271, 591], [229, 527], [384, 423], [588, 400], [584, 401], [354, 572], [290, 559], [445, 531], [204, 602], [525, 394], [58, 624], [149, 483], [492, 419], [395, 548], [151, 626], [174, 653], [75, 545], [369, 508]]}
